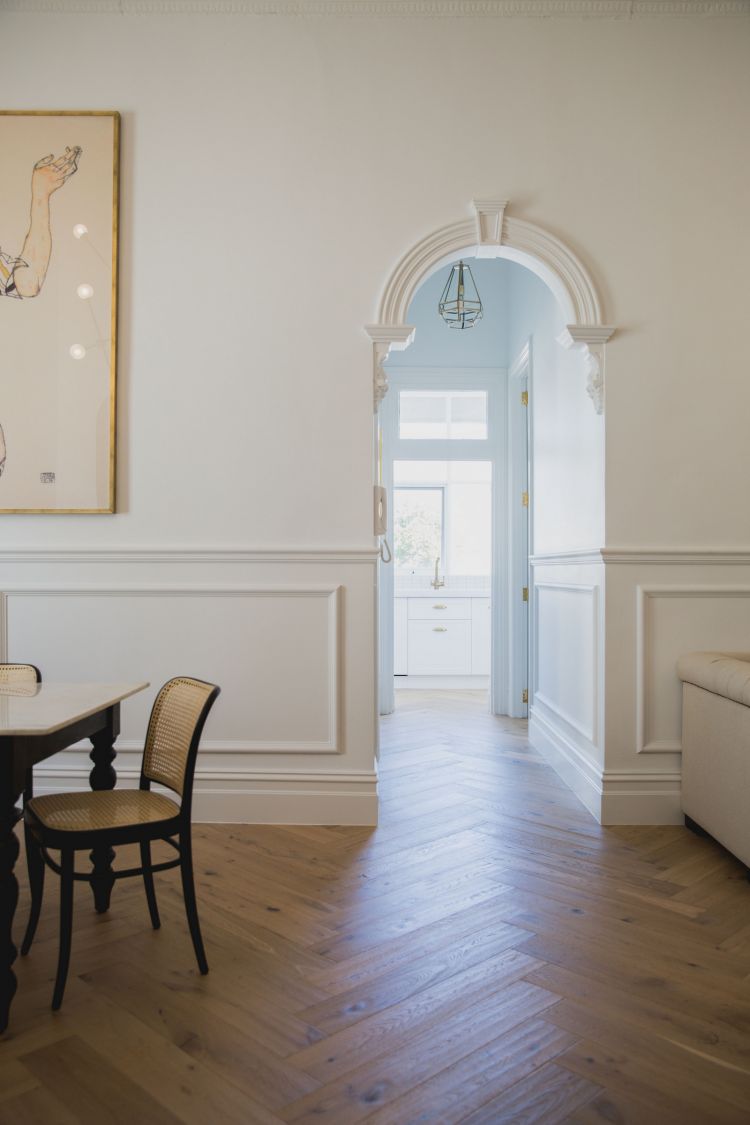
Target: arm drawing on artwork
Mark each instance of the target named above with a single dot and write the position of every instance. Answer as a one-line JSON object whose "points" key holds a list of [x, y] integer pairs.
{"points": [[24, 276], [48, 175]]}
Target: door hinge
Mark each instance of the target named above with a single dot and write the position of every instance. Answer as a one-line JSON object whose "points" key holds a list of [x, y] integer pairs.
{"points": [[524, 398], [525, 696], [525, 499], [526, 593]]}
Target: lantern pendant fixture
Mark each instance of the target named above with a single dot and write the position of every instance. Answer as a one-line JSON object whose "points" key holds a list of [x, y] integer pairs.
{"points": [[460, 305]]}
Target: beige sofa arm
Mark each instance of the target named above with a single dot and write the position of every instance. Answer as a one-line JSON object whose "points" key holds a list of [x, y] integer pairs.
{"points": [[723, 673]]}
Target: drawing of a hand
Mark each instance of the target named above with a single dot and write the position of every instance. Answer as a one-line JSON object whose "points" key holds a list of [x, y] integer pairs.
{"points": [[50, 173]]}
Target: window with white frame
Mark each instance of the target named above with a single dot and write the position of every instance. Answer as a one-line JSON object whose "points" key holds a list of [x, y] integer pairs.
{"points": [[442, 509], [442, 415]]}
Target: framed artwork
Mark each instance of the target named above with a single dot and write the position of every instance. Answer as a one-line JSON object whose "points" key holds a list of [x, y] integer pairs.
{"points": [[58, 310]]}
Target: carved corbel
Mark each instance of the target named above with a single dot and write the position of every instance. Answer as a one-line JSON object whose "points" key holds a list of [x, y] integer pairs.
{"points": [[385, 338], [590, 339]]}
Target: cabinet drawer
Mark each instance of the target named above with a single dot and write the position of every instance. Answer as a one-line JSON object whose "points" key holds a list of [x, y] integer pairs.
{"points": [[439, 609], [439, 649]]}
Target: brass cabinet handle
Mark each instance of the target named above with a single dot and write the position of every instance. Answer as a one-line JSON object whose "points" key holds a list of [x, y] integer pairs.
{"points": [[440, 607], [440, 629]]}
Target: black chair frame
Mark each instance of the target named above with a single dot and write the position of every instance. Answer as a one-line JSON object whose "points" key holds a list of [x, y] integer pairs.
{"points": [[41, 838]]}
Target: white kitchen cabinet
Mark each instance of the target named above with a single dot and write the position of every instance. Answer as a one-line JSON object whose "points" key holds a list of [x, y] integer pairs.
{"points": [[442, 636], [439, 650], [400, 649], [439, 609], [481, 636]]}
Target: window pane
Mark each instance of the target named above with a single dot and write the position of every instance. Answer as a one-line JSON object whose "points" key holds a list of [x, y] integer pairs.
{"points": [[417, 528], [464, 489], [443, 414]]}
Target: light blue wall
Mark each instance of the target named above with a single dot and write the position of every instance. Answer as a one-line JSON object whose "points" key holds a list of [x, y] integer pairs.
{"points": [[484, 345]]}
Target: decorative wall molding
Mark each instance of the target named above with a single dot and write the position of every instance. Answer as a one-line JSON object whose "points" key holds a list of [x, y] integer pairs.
{"points": [[585, 556], [645, 594], [492, 233], [434, 9], [623, 556], [588, 731], [692, 556], [171, 555], [590, 340], [385, 338], [332, 744]]}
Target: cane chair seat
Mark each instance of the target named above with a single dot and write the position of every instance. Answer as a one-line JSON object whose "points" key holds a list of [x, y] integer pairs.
{"points": [[19, 674], [110, 808]]}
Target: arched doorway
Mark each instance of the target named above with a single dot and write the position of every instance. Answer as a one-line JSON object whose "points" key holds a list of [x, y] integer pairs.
{"points": [[492, 234]]}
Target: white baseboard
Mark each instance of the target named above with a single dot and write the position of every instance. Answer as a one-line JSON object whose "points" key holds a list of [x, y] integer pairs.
{"points": [[612, 797], [438, 683], [255, 797], [567, 760], [641, 797]]}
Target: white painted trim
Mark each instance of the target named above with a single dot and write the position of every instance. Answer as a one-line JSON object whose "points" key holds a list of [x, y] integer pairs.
{"points": [[567, 558], [591, 736], [642, 797], [646, 556], [564, 756], [522, 241], [519, 368], [492, 233], [441, 683], [334, 744], [676, 556], [393, 9], [611, 796], [171, 555], [643, 594], [346, 797]]}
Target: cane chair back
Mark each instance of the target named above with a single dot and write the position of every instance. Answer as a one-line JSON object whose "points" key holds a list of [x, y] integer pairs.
{"points": [[174, 731], [19, 674]]}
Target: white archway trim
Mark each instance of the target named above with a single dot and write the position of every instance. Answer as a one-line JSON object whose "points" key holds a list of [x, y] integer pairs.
{"points": [[494, 234]]}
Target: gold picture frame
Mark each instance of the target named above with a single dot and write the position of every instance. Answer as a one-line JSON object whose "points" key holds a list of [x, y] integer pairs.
{"points": [[58, 352]]}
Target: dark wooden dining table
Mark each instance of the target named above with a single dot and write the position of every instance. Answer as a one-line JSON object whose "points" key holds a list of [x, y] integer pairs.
{"points": [[37, 721]]}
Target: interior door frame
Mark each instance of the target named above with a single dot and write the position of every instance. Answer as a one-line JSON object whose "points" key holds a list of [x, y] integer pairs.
{"points": [[493, 380]]}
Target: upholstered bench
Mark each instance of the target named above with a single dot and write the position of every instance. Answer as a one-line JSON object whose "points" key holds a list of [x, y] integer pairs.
{"points": [[716, 746]]}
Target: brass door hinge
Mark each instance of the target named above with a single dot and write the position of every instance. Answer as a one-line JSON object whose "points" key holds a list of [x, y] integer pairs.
{"points": [[524, 398], [526, 593], [525, 499], [525, 696]]}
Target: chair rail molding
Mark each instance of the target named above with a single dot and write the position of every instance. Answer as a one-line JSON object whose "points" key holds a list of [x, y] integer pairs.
{"points": [[391, 9], [492, 233]]}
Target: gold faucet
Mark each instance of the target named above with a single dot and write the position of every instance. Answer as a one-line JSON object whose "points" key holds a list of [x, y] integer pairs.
{"points": [[437, 582]]}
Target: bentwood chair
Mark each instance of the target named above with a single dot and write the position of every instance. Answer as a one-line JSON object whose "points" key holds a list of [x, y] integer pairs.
{"points": [[108, 818], [20, 675]]}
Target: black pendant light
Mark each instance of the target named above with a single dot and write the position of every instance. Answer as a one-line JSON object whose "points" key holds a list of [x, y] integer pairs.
{"points": [[460, 305]]}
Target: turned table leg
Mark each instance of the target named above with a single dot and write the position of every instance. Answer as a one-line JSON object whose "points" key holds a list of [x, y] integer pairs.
{"points": [[8, 886], [103, 776]]}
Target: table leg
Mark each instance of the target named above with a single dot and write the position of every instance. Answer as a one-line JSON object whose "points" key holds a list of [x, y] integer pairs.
{"points": [[103, 776], [8, 900]]}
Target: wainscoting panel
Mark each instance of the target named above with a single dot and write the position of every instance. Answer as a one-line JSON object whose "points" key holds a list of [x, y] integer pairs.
{"points": [[566, 672], [673, 620], [565, 711], [290, 640]]}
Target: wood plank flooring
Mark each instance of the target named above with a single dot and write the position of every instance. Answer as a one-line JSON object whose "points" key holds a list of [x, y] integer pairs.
{"points": [[488, 954]]}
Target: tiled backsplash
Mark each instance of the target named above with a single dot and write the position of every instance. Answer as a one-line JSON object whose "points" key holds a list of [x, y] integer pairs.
{"points": [[454, 583]]}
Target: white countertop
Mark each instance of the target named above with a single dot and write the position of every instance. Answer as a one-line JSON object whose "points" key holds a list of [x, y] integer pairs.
{"points": [[443, 592]]}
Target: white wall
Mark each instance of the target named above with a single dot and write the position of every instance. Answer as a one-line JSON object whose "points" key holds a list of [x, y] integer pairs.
{"points": [[274, 171]]}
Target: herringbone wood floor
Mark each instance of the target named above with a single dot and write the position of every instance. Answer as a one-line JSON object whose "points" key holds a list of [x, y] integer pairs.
{"points": [[488, 954]]}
